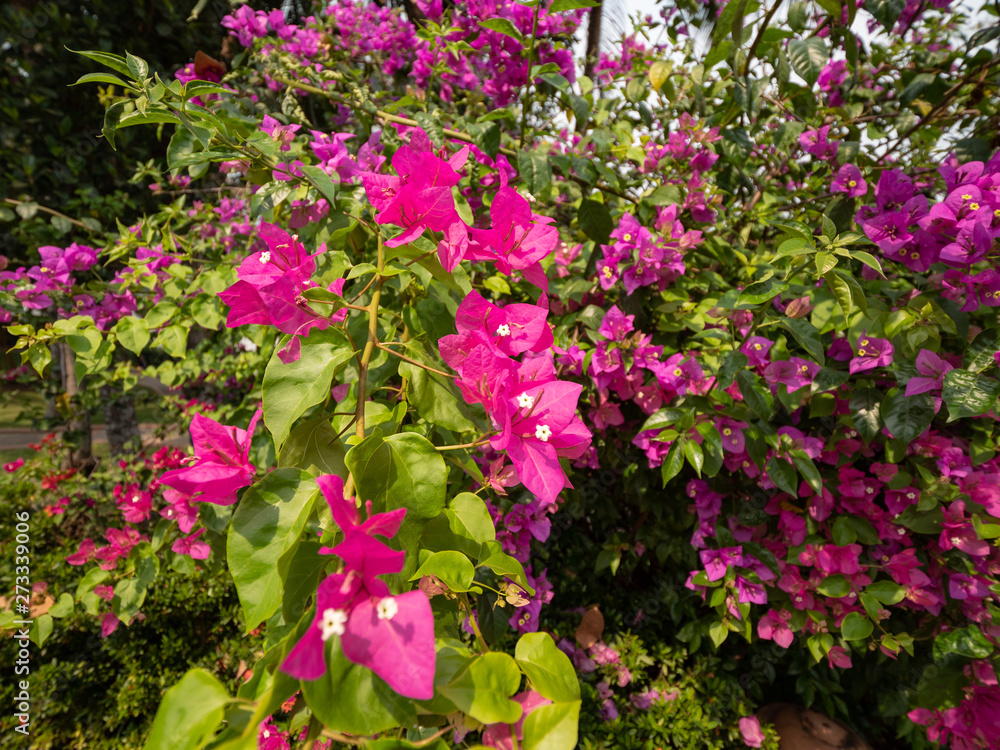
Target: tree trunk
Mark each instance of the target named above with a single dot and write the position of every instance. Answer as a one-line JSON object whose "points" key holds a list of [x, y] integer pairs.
{"points": [[120, 422], [78, 423], [593, 38]]}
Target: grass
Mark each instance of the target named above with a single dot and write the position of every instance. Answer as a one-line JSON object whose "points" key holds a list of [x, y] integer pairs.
{"points": [[101, 451], [17, 407]]}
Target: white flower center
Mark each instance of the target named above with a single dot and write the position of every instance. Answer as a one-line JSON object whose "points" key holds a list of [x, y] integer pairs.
{"points": [[265, 256], [267, 734], [135, 498], [543, 433], [525, 401], [503, 330], [956, 540], [387, 608], [910, 496], [333, 623]]}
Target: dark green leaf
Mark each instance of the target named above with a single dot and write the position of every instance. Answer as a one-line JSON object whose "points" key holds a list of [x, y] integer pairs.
{"points": [[969, 394], [907, 417]]}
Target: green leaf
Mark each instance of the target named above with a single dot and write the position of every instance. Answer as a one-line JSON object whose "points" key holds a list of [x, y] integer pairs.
{"points": [[41, 629], [132, 333], [718, 632], [101, 78], [856, 627], [267, 525], [808, 470], [189, 713], [533, 169], [173, 341], [453, 568], [291, 389], [115, 62], [754, 394], [483, 686], [464, 525], [558, 6], [314, 446], [724, 26], [400, 471], [595, 221], [841, 292], [866, 413], [808, 337], [137, 66], [832, 7], [63, 606], [503, 26], [808, 56], [843, 532], [887, 592], [130, 593], [783, 475], [552, 727], [694, 455], [968, 394], [351, 698], [322, 182], [886, 12], [493, 557], [550, 671], [979, 356], [968, 642], [436, 397], [673, 463], [834, 586], [907, 417]]}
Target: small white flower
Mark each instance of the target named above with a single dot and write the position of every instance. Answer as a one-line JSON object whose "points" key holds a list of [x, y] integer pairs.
{"points": [[266, 734], [387, 608], [135, 498], [525, 401], [265, 257], [246, 345], [333, 623], [543, 433], [503, 330]]}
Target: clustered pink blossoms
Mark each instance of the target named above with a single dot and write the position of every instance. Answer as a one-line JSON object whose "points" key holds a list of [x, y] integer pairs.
{"points": [[51, 282], [960, 231], [269, 290], [533, 412], [391, 635]]}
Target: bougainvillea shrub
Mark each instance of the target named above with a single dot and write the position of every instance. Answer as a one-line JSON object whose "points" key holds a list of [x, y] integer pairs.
{"points": [[740, 283]]}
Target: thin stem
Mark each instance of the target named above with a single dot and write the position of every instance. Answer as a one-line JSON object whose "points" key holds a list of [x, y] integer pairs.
{"points": [[481, 441], [429, 740], [527, 83], [50, 211], [458, 136], [370, 345], [464, 598], [403, 357]]}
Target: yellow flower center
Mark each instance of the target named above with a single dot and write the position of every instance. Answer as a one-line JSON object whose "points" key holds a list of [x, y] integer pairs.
{"points": [[852, 183], [861, 352]]}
